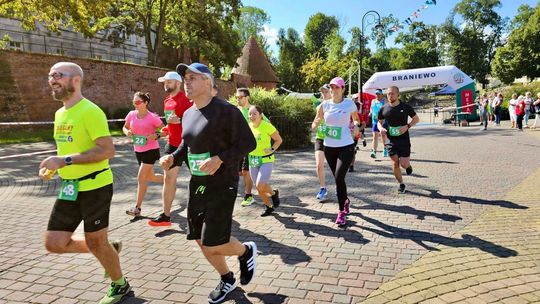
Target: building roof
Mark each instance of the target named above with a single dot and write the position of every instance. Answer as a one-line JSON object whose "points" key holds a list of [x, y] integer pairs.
{"points": [[254, 63]]}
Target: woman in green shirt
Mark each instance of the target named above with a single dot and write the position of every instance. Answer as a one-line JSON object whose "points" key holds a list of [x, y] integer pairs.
{"points": [[261, 159]]}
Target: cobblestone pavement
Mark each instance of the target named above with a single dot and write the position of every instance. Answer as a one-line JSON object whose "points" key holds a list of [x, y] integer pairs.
{"points": [[467, 230]]}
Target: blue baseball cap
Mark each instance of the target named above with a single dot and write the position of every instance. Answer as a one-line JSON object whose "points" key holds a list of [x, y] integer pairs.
{"points": [[197, 68]]}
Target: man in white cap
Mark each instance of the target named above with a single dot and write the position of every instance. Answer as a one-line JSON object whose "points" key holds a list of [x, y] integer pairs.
{"points": [[174, 107], [216, 137]]}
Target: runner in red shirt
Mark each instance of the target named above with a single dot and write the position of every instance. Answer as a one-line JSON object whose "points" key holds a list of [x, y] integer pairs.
{"points": [[174, 107]]}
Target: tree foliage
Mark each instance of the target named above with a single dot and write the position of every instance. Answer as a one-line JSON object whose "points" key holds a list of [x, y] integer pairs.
{"points": [[292, 53], [318, 27], [471, 46], [520, 56], [419, 48]]}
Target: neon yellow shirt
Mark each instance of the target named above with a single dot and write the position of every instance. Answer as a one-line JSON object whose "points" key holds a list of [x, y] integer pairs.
{"points": [[263, 136], [75, 131], [245, 113]]}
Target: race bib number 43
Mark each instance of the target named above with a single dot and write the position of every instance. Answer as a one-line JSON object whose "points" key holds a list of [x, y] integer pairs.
{"points": [[69, 190], [195, 162], [333, 132]]}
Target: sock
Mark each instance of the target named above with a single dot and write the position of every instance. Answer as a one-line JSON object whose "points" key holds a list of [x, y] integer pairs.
{"points": [[121, 281], [229, 276]]}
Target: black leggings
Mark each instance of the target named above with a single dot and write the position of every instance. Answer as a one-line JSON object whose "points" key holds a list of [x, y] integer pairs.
{"points": [[339, 159], [519, 120]]}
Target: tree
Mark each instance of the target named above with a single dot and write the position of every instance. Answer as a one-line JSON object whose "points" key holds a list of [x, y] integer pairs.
{"points": [[54, 14], [380, 34], [333, 44], [292, 54], [319, 26], [524, 13], [251, 23], [419, 48], [521, 54], [471, 46]]}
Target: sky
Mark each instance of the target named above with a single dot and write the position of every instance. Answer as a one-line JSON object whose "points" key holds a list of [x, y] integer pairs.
{"points": [[296, 13]]}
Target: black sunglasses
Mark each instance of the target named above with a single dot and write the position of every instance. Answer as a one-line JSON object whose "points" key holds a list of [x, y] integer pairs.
{"points": [[58, 75]]}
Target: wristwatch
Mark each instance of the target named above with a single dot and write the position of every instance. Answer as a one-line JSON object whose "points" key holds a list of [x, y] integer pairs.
{"points": [[68, 160]]}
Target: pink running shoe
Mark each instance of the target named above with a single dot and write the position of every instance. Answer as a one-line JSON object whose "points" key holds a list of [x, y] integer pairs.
{"points": [[346, 209], [340, 220]]}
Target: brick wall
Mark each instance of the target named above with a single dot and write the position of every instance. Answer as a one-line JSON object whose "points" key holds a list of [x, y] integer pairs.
{"points": [[25, 94]]}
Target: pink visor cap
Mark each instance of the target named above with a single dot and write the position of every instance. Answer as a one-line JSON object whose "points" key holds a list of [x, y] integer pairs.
{"points": [[338, 81]]}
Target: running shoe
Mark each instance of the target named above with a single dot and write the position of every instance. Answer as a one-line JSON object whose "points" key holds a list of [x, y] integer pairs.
{"points": [[373, 154], [268, 211], [401, 188], [116, 293], [346, 206], [161, 220], [248, 263], [385, 152], [323, 194], [221, 291], [117, 245], [409, 170], [340, 220], [134, 211], [248, 200], [275, 198]]}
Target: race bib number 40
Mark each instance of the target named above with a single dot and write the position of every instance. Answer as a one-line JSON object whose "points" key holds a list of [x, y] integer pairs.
{"points": [[69, 190], [333, 132], [195, 162]]}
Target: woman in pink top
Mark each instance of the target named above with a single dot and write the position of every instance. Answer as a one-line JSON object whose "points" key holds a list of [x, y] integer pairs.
{"points": [[141, 125]]}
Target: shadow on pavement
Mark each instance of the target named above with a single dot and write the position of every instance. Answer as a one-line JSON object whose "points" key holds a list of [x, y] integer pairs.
{"points": [[456, 199], [433, 161], [268, 298], [132, 299], [420, 214], [420, 237]]}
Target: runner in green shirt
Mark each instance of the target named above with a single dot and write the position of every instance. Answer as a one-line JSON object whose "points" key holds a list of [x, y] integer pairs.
{"points": [[84, 149], [319, 147]]}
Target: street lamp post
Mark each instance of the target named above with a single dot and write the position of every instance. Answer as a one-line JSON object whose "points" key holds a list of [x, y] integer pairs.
{"points": [[375, 17]]}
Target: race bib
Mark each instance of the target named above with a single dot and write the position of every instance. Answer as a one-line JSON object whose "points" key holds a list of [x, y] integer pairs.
{"points": [[195, 161], [168, 113], [394, 131], [333, 132], [321, 129], [254, 161], [69, 190], [139, 140]]}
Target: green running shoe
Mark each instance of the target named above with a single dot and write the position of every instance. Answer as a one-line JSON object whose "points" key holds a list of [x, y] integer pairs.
{"points": [[116, 293]]}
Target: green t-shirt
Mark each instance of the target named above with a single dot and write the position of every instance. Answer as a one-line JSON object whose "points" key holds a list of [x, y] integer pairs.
{"points": [[322, 126], [75, 131], [263, 136], [245, 112]]}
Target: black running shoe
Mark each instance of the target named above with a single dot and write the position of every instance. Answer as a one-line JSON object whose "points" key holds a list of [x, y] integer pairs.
{"points": [[275, 198], [248, 263], [401, 188], [409, 170], [222, 290], [268, 211], [161, 220]]}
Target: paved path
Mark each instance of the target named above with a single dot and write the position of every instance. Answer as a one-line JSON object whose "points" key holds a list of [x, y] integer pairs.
{"points": [[468, 230]]}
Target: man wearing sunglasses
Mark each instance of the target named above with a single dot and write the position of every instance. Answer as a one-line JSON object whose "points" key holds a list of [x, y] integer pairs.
{"points": [[215, 137], [84, 146]]}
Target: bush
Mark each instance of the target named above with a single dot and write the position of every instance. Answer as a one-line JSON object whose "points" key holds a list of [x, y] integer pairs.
{"points": [[291, 116], [519, 89]]}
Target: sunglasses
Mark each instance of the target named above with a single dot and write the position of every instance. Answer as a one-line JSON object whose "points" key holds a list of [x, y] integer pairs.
{"points": [[239, 96], [58, 76], [138, 101]]}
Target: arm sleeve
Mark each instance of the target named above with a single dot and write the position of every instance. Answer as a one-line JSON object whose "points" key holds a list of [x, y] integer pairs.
{"points": [[380, 115], [180, 154], [240, 137], [412, 113]]}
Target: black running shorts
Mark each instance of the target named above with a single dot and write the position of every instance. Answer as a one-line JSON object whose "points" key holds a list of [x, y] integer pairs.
{"points": [[319, 144], [148, 157], [92, 207], [401, 149], [209, 213]]}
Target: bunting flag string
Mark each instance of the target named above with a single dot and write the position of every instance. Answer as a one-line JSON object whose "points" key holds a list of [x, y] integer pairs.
{"points": [[412, 17]]}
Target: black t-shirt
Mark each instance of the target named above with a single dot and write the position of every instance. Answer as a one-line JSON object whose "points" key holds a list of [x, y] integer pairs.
{"points": [[220, 129], [395, 117]]}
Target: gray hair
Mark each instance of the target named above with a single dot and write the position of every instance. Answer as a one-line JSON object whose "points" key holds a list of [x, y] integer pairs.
{"points": [[73, 68]]}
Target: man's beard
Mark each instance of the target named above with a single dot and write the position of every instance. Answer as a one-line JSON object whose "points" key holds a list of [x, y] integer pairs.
{"points": [[170, 89], [63, 93]]}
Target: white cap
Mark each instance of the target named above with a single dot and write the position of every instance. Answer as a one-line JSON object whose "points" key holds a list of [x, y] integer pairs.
{"points": [[170, 76]]}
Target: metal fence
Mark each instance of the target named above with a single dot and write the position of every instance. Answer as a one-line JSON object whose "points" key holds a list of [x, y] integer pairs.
{"points": [[74, 47]]}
